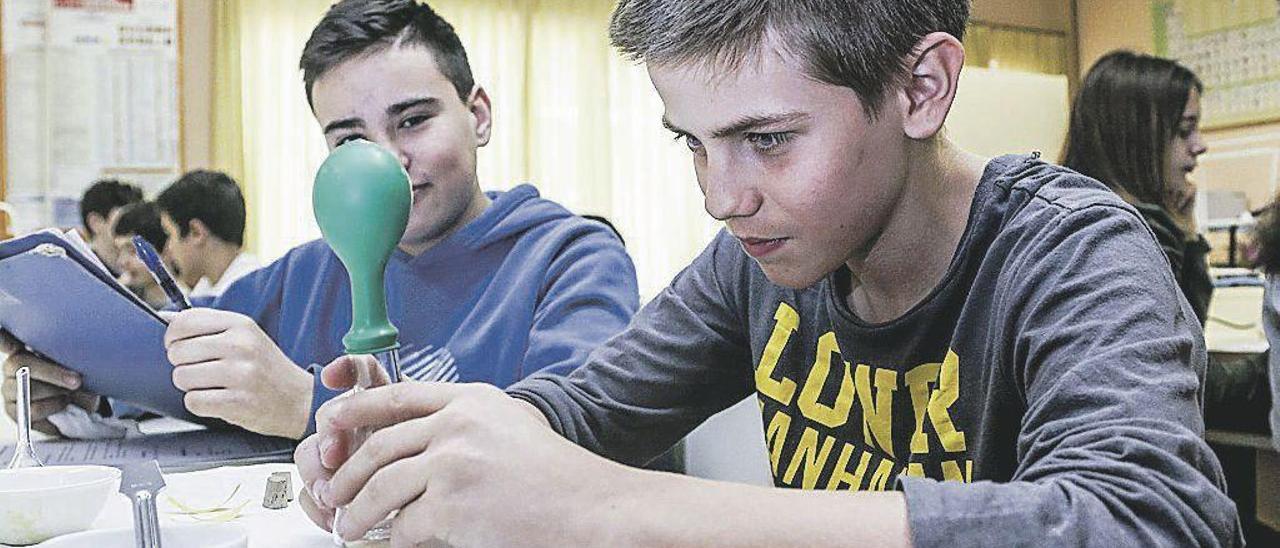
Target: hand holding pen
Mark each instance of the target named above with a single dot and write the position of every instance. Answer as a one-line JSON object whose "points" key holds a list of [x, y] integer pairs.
{"points": [[147, 253]]}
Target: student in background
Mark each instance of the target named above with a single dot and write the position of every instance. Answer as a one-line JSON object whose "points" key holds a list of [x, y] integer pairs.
{"points": [[1266, 239], [486, 287], [99, 208], [203, 215], [1136, 128], [53, 389], [142, 219], [980, 346], [107, 205]]}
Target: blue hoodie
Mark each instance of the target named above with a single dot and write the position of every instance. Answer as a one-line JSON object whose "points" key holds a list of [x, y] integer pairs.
{"points": [[525, 287]]}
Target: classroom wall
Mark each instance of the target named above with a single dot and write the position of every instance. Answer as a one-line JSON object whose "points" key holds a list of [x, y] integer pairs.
{"points": [[195, 24], [1054, 15], [1243, 159], [1033, 109], [1105, 25]]}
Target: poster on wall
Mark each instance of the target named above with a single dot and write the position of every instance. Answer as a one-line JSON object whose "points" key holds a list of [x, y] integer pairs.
{"points": [[91, 92], [1231, 46]]}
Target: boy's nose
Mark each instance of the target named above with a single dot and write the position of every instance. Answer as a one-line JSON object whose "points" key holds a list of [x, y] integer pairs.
{"points": [[726, 197]]}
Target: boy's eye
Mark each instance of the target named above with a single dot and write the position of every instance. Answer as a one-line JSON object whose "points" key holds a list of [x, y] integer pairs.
{"points": [[692, 142], [412, 121], [347, 139], [768, 141]]}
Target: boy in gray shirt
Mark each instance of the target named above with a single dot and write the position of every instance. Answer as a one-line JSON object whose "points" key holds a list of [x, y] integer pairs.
{"points": [[991, 352]]}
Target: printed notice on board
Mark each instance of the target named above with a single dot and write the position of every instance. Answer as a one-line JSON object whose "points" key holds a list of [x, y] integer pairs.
{"points": [[91, 92]]}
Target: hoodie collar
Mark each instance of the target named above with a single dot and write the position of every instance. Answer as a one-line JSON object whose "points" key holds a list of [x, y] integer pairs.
{"points": [[504, 217]]}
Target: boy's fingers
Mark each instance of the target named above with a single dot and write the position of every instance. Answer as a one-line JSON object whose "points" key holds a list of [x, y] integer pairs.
{"points": [[42, 370], [307, 458], [46, 427], [382, 449], [190, 351], [86, 400], [385, 405], [197, 322], [39, 391], [215, 403], [391, 488], [39, 421], [344, 372], [40, 410], [321, 517], [334, 448], [202, 376], [8, 344]]}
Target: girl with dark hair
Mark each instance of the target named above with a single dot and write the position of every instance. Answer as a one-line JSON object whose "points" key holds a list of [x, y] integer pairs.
{"points": [[1136, 128]]}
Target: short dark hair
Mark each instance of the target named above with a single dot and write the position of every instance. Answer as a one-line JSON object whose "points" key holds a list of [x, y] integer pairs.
{"points": [[105, 195], [858, 44], [142, 219], [1123, 121], [210, 196], [352, 28]]}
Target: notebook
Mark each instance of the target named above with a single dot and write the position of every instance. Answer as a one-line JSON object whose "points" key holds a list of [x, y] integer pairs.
{"points": [[176, 451], [62, 303]]}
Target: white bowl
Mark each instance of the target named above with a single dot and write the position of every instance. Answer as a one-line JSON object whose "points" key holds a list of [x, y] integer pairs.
{"points": [[41, 503], [223, 535]]}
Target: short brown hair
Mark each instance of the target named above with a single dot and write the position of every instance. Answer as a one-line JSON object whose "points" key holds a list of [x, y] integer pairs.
{"points": [[352, 28], [858, 44]]}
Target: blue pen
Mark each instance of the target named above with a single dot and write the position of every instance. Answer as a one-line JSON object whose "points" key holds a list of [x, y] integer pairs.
{"points": [[151, 258]]}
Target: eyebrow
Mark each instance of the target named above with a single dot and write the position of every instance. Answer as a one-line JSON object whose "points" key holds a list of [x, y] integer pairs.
{"points": [[393, 110], [345, 123], [402, 106], [747, 123]]}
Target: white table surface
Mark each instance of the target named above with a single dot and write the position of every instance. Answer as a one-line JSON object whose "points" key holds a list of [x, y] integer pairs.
{"points": [[286, 528]]}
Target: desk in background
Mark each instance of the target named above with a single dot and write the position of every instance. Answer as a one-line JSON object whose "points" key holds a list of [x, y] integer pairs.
{"points": [[1252, 464]]}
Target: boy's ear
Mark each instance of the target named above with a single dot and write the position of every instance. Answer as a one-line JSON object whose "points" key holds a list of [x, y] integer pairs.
{"points": [[96, 223], [482, 111], [931, 87], [197, 231]]}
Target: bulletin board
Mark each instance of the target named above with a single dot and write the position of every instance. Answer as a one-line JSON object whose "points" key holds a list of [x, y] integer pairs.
{"points": [[90, 92], [1232, 45]]}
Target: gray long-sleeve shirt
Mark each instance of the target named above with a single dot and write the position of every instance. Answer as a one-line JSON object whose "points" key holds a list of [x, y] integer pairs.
{"points": [[1271, 326], [1054, 375]]}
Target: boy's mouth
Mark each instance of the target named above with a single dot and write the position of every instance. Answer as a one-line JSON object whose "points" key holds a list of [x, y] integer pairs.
{"points": [[762, 247]]}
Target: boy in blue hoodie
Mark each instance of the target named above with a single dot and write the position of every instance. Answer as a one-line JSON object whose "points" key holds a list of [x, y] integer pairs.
{"points": [[485, 287]]}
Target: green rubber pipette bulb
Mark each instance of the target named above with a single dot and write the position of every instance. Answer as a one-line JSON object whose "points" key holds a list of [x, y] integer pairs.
{"points": [[361, 199]]}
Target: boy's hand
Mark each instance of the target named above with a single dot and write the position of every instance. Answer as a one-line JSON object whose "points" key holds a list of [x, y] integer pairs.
{"points": [[475, 447], [231, 370], [342, 373], [52, 387]]}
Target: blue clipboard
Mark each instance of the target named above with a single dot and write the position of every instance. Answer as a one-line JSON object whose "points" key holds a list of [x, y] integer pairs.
{"points": [[61, 305]]}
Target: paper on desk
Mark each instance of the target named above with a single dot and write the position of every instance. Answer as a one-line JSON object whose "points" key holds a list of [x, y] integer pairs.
{"points": [[176, 452]]}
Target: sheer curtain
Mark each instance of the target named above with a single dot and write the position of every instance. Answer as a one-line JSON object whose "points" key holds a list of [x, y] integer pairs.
{"points": [[570, 116]]}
